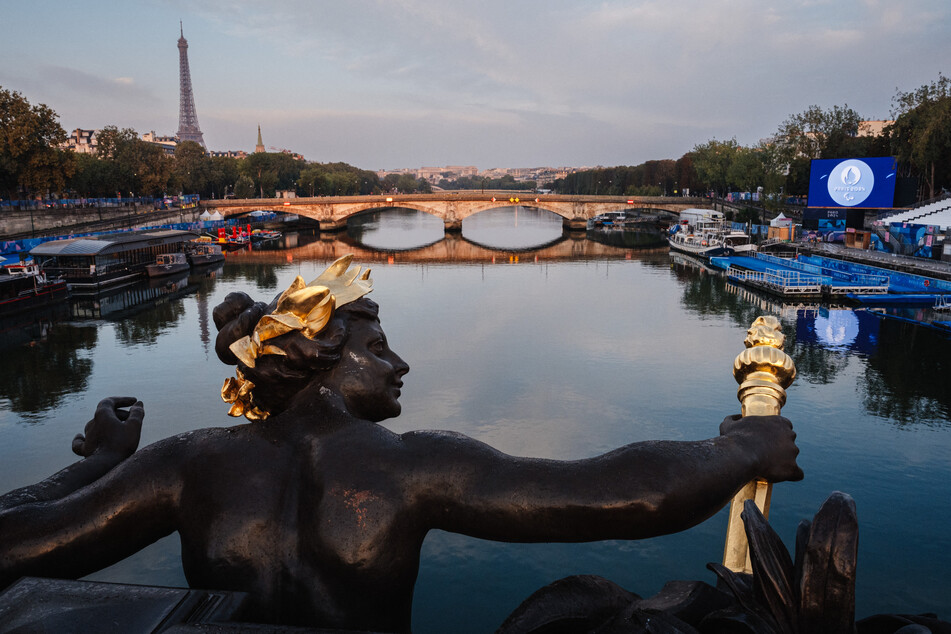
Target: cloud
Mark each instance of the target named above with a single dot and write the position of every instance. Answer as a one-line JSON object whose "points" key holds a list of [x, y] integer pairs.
{"points": [[604, 82]]}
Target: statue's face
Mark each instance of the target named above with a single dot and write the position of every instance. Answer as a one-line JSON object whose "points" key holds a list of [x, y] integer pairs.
{"points": [[369, 374]]}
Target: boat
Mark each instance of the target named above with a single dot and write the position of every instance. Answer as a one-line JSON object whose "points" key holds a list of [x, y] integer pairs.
{"points": [[264, 235], [166, 264], [23, 286], [201, 252], [704, 233], [91, 263], [232, 242]]}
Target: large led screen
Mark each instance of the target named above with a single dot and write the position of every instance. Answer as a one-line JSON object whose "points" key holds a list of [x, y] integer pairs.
{"points": [[866, 182]]}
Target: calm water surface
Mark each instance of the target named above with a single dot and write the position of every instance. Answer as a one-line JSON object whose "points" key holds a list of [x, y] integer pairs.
{"points": [[564, 351]]}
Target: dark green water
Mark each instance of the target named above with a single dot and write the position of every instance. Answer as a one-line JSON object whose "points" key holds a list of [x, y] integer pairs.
{"points": [[562, 352]]}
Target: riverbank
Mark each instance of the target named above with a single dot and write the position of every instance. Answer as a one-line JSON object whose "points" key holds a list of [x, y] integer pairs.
{"points": [[43, 223]]}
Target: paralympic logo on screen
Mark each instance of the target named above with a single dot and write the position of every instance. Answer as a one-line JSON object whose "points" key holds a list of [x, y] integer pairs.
{"points": [[851, 182]]}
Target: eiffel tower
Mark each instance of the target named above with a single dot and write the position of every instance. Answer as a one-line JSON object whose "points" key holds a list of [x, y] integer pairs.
{"points": [[188, 129]]}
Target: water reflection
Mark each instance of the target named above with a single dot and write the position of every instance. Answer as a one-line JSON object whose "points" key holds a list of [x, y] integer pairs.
{"points": [[906, 368], [36, 375], [908, 376], [124, 301], [395, 229], [521, 228], [504, 228]]}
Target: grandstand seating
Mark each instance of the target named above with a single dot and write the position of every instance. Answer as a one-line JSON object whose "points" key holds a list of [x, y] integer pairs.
{"points": [[934, 213]]}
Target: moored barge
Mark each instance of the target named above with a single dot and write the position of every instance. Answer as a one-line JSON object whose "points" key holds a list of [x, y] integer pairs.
{"points": [[90, 263]]}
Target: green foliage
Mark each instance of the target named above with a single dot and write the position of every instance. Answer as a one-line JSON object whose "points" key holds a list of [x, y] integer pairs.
{"points": [[244, 187], [129, 166], [506, 182], [921, 135], [712, 161], [652, 178], [817, 133], [30, 153], [336, 179], [222, 176], [192, 174]]}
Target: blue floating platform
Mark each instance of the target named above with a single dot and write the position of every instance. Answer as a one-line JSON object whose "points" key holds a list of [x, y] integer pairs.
{"points": [[895, 299]]}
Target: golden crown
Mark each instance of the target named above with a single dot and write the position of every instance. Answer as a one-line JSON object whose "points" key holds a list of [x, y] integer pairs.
{"points": [[306, 308]]}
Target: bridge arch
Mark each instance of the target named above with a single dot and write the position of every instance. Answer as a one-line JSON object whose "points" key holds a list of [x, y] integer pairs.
{"points": [[452, 208]]}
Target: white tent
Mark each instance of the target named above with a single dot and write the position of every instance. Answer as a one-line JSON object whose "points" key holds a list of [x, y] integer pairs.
{"points": [[780, 221]]}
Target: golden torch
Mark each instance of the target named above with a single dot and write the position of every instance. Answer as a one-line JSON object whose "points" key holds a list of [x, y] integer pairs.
{"points": [[764, 372]]}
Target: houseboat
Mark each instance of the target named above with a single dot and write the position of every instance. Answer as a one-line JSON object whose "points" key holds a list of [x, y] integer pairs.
{"points": [[24, 287], [705, 234], [90, 263], [203, 251], [167, 264]]}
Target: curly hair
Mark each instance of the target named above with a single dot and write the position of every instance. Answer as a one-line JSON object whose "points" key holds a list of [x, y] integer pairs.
{"points": [[278, 378]]}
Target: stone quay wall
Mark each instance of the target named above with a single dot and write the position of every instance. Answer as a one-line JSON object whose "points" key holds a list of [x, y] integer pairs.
{"points": [[17, 224]]}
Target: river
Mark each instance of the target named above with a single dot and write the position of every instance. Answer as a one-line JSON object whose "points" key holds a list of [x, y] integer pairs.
{"points": [[562, 351]]}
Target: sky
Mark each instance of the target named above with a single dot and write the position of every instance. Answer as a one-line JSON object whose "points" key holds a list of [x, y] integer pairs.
{"points": [[387, 84]]}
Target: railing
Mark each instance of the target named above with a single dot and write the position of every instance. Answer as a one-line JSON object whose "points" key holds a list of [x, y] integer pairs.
{"points": [[784, 281], [847, 281]]}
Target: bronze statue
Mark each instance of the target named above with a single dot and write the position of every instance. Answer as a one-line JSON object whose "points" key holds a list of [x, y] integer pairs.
{"points": [[318, 512]]}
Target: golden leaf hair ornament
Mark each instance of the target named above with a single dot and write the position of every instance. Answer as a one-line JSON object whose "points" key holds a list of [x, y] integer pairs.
{"points": [[306, 308]]}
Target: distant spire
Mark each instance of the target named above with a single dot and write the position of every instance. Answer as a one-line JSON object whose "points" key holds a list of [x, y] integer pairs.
{"points": [[260, 146], [181, 29]]}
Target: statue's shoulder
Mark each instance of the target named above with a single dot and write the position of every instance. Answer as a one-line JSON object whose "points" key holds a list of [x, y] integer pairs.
{"points": [[198, 441]]}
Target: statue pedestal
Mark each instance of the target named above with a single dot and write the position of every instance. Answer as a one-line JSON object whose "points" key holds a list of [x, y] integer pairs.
{"points": [[56, 605]]}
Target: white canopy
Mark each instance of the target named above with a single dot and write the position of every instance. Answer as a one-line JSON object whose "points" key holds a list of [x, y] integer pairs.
{"points": [[780, 221]]}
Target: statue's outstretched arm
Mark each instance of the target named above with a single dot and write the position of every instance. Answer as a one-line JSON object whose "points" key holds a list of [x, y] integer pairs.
{"points": [[110, 437], [99, 524], [637, 491]]}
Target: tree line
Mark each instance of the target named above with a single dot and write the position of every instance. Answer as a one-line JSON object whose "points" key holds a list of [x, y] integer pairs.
{"points": [[33, 161], [919, 139]]}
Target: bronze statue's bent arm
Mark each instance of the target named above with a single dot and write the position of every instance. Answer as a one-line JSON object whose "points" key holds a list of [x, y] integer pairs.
{"points": [[98, 525]]}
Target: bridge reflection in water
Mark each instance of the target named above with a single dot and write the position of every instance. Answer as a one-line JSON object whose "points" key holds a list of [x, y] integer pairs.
{"points": [[535, 236]]}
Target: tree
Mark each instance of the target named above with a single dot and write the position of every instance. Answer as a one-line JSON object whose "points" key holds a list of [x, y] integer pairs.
{"points": [[223, 176], [816, 133], [192, 168], [93, 177], [117, 148], [712, 162], [133, 166], [746, 172], [921, 134], [244, 187], [31, 156]]}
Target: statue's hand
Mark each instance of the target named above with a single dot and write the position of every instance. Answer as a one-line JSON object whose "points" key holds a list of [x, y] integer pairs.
{"points": [[771, 442], [112, 430]]}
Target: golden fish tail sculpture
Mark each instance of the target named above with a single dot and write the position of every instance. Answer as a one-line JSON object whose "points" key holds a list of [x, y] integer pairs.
{"points": [[764, 372]]}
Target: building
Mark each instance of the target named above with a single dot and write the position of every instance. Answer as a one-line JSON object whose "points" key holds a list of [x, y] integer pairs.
{"points": [[873, 128], [167, 143], [238, 154], [82, 141]]}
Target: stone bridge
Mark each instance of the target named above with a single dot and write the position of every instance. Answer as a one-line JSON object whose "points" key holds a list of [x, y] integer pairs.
{"points": [[453, 207]]}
